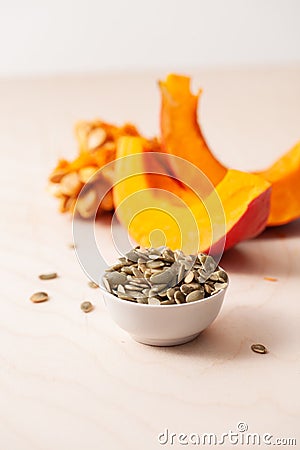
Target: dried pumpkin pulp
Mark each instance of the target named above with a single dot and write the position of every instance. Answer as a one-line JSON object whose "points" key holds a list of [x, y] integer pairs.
{"points": [[181, 135], [97, 147]]}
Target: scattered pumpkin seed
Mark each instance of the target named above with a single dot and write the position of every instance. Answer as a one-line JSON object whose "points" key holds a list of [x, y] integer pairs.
{"points": [[259, 348], [39, 297], [48, 276], [86, 307], [93, 285]]}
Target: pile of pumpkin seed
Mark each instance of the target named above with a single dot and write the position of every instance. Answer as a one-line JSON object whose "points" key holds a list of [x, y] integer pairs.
{"points": [[160, 276]]}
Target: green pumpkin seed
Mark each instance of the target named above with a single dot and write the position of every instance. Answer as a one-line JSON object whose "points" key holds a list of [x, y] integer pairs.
{"points": [[189, 278], [164, 276], [86, 307], [153, 301], [259, 348], [39, 297], [48, 276], [179, 297], [93, 285], [195, 295]]}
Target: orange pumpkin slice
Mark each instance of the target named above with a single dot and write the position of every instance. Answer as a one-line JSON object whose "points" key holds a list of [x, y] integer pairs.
{"points": [[180, 132], [284, 175], [189, 223]]}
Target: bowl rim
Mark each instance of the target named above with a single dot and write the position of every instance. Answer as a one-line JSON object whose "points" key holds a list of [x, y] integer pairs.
{"points": [[202, 300]]}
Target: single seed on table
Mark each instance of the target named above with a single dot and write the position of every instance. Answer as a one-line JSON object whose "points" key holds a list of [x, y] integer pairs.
{"points": [[194, 296], [48, 276], [93, 285], [259, 348], [189, 278], [39, 297], [86, 307]]}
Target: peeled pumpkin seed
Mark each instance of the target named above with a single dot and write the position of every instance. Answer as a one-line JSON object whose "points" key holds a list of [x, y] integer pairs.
{"points": [[39, 297], [259, 348], [194, 296], [179, 297], [163, 277], [48, 276], [189, 278], [86, 307], [159, 276]]}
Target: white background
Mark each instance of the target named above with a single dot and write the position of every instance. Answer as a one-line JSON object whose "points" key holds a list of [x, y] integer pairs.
{"points": [[61, 36]]}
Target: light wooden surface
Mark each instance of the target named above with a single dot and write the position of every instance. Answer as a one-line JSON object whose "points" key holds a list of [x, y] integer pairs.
{"points": [[71, 381]]}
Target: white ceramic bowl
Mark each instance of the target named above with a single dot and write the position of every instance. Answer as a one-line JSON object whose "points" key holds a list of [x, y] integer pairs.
{"points": [[164, 325]]}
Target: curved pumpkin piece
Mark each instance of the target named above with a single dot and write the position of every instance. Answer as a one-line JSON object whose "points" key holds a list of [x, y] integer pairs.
{"points": [[284, 175], [180, 131], [182, 136], [245, 199]]}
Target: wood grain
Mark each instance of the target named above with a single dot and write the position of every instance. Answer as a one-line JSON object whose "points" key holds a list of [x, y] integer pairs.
{"points": [[73, 381]]}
